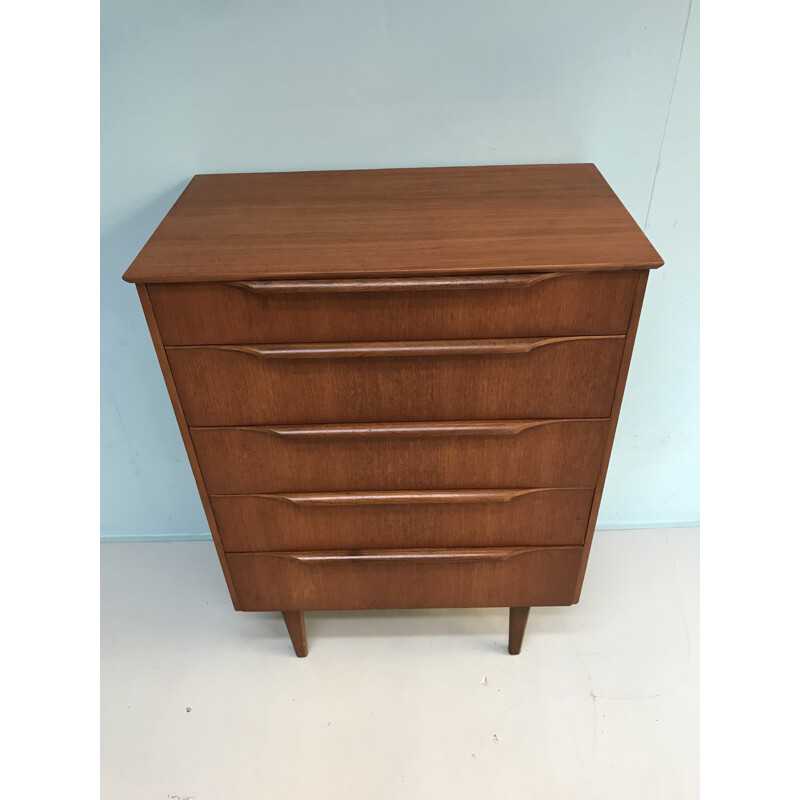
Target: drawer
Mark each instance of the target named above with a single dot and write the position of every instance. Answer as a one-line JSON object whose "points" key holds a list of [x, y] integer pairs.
{"points": [[397, 381], [478, 577], [400, 456], [355, 520], [501, 306]]}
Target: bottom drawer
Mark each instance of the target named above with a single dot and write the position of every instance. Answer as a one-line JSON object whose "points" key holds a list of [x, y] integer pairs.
{"points": [[337, 580]]}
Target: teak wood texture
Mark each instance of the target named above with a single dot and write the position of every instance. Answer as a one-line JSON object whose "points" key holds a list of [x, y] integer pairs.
{"points": [[499, 517], [393, 223], [391, 310], [452, 578], [402, 456], [398, 388], [397, 381]]}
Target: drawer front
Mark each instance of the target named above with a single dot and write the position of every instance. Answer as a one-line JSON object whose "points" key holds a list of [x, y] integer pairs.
{"points": [[397, 381], [331, 580], [365, 520], [447, 455], [394, 309]]}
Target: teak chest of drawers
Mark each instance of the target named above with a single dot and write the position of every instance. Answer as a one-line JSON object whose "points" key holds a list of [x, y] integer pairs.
{"points": [[398, 388]]}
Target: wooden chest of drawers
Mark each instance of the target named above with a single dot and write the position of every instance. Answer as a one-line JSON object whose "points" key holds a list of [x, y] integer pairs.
{"points": [[398, 388]]}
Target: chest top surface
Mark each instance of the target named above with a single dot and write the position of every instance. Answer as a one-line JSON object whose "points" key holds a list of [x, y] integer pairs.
{"points": [[393, 223]]}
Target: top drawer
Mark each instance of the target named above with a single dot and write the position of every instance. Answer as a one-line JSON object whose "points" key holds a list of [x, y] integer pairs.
{"points": [[495, 306]]}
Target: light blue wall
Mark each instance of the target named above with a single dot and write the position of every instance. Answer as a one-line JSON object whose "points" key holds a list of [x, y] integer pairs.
{"points": [[193, 86]]}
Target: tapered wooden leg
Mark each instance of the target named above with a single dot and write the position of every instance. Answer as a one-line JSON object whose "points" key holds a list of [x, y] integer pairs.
{"points": [[296, 625], [517, 620]]}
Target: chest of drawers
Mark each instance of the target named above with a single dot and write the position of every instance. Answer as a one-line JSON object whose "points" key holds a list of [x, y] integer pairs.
{"points": [[398, 388]]}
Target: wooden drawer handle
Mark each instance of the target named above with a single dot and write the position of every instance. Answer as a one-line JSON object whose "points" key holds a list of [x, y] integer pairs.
{"points": [[395, 284], [396, 430], [456, 347], [418, 556], [399, 498]]}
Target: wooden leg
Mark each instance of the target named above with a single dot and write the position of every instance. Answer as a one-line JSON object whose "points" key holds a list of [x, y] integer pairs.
{"points": [[517, 620], [296, 625]]}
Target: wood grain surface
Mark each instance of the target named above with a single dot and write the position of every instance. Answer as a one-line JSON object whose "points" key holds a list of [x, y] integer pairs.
{"points": [[398, 388], [450, 578], [394, 222], [404, 456], [397, 382], [619, 392], [395, 309], [363, 520], [180, 417]]}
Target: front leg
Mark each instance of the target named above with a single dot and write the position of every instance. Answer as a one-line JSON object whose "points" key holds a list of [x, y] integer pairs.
{"points": [[517, 620], [296, 625]]}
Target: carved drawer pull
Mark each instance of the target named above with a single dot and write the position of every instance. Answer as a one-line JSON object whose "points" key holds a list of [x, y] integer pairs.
{"points": [[394, 284], [399, 498], [456, 347], [417, 556], [398, 430]]}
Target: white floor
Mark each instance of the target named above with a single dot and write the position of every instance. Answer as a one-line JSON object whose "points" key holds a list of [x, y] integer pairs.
{"points": [[202, 702]]}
